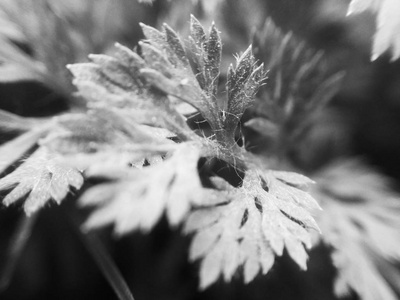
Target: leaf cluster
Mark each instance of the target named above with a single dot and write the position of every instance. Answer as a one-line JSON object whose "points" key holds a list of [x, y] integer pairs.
{"points": [[135, 138]]}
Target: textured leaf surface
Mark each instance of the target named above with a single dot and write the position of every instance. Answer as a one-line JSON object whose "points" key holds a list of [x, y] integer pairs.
{"points": [[141, 197], [151, 163], [361, 222], [252, 227], [387, 35], [267, 213], [40, 178]]}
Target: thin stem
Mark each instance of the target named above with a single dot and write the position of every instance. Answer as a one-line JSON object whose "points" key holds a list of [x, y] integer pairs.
{"points": [[17, 245], [103, 260]]}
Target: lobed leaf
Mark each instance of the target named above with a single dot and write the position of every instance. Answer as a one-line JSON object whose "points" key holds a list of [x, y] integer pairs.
{"points": [[361, 223], [135, 203], [39, 179], [250, 229]]}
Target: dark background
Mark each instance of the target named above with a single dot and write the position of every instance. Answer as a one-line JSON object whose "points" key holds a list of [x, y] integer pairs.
{"points": [[55, 263]]}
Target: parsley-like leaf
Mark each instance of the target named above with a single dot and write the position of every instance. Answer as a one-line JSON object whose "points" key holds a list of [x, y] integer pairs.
{"points": [[134, 137], [361, 223], [251, 228], [40, 178]]}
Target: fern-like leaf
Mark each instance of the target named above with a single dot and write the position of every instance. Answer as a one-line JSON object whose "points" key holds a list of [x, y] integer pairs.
{"points": [[300, 84], [134, 137], [128, 84], [251, 228], [361, 223], [40, 178]]}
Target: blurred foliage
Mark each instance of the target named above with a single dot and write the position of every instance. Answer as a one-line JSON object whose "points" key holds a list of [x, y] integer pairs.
{"points": [[361, 119]]}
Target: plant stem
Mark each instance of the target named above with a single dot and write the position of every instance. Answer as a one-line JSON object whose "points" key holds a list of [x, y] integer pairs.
{"points": [[17, 245], [103, 260]]}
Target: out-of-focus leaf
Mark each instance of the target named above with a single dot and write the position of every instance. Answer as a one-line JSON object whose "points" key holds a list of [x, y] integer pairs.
{"points": [[387, 35], [14, 73], [361, 223], [13, 150], [300, 84]]}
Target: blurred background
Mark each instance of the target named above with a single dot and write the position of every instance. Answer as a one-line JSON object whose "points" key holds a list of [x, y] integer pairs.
{"points": [[37, 40]]}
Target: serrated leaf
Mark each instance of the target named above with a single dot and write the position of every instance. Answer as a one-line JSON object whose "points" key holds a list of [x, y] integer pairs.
{"points": [[117, 81], [361, 223], [249, 230], [301, 84], [272, 210], [40, 178], [134, 203], [387, 35], [243, 83]]}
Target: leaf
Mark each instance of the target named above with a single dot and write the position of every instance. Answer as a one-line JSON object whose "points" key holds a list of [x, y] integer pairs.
{"points": [[58, 33], [361, 223], [148, 177], [12, 122], [40, 178], [243, 80], [171, 187], [301, 83], [387, 35], [98, 130], [11, 151], [251, 228], [243, 83], [117, 81]]}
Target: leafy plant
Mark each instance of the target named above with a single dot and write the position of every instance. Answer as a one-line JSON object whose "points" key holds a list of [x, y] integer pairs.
{"points": [[133, 124], [163, 135], [360, 213]]}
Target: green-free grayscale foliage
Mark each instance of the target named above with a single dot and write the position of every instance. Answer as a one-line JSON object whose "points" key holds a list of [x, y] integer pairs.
{"points": [[360, 221], [387, 35], [300, 84], [135, 138], [41, 178]]}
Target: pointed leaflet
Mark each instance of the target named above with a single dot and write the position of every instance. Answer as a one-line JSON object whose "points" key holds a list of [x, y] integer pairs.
{"points": [[40, 178], [277, 212], [116, 83], [300, 84], [207, 56], [243, 83], [166, 49], [171, 73], [387, 35], [140, 198], [361, 223], [251, 228]]}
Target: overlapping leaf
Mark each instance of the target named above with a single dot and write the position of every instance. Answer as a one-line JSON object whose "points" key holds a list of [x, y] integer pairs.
{"points": [[57, 33], [387, 35], [139, 143], [300, 84], [129, 83], [361, 222]]}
